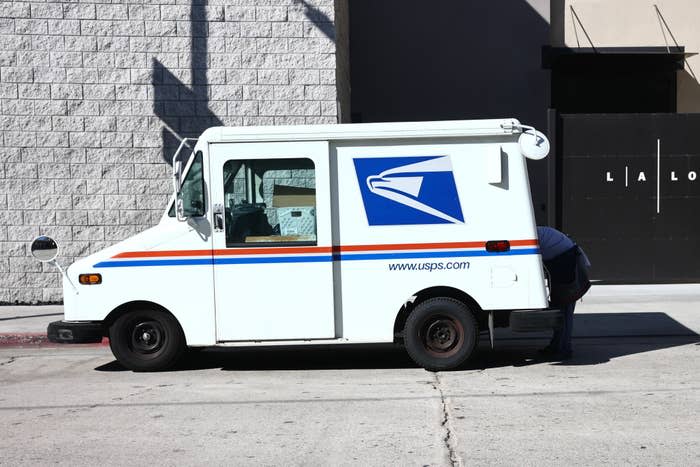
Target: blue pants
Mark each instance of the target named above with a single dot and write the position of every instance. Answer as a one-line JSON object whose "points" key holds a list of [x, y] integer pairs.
{"points": [[561, 339]]}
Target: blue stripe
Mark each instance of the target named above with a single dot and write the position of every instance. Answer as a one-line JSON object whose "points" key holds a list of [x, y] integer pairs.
{"points": [[311, 259], [436, 254], [154, 262]]}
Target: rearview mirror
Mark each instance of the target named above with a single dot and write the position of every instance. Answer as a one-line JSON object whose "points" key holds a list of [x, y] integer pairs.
{"points": [[44, 249]]}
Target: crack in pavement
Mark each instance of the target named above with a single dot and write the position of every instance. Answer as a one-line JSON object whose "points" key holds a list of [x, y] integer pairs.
{"points": [[10, 360], [449, 439]]}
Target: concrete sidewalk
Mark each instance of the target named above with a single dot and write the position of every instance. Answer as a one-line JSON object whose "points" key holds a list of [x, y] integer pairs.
{"points": [[606, 311], [23, 325]]}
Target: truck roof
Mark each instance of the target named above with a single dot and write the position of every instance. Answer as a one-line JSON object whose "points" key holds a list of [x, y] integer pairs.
{"points": [[353, 131]]}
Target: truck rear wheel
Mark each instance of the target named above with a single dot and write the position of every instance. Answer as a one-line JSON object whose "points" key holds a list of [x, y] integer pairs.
{"points": [[440, 334], [146, 340]]}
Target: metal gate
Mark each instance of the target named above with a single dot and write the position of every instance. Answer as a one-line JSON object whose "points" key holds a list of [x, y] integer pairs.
{"points": [[630, 194]]}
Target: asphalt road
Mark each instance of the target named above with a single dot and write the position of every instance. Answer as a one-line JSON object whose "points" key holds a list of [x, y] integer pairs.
{"points": [[630, 396]]}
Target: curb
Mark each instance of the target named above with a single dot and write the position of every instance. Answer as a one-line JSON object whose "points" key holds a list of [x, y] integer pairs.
{"points": [[37, 339]]}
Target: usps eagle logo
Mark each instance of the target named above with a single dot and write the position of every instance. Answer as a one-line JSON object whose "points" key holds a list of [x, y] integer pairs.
{"points": [[408, 190]]}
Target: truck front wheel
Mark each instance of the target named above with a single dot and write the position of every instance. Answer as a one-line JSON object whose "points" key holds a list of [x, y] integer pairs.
{"points": [[440, 334], [146, 340]]}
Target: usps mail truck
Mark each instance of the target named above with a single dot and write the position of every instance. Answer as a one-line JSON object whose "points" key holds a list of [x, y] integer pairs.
{"points": [[420, 233]]}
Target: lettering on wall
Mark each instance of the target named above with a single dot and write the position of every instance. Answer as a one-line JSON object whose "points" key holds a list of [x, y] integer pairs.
{"points": [[669, 176], [672, 175]]}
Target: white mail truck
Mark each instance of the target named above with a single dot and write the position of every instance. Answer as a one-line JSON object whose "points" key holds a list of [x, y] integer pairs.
{"points": [[419, 233]]}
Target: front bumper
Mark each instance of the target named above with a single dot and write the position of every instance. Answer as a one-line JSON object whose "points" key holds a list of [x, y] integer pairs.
{"points": [[535, 320], [75, 332]]}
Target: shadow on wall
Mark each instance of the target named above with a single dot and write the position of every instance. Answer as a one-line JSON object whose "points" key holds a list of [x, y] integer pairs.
{"points": [[319, 18], [413, 60], [453, 60], [688, 92], [185, 110]]}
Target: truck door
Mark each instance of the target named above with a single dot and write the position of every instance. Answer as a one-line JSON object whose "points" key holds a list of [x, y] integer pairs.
{"points": [[273, 269]]}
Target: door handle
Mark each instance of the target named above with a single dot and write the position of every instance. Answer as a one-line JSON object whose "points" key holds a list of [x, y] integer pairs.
{"points": [[218, 218]]}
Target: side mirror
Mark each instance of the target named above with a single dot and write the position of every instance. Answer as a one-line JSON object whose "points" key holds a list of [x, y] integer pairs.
{"points": [[44, 249], [177, 176], [177, 185], [180, 208]]}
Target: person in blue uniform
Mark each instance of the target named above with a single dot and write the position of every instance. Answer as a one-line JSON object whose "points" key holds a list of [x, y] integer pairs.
{"points": [[560, 257]]}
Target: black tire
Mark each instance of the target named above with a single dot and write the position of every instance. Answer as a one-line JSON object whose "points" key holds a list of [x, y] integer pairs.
{"points": [[146, 340], [440, 334]]}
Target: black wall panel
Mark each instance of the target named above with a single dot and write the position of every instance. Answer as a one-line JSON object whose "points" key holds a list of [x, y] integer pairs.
{"points": [[635, 210]]}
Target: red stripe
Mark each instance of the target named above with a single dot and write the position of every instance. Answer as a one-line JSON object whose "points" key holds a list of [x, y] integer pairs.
{"points": [[524, 242], [430, 246], [413, 246], [314, 249]]}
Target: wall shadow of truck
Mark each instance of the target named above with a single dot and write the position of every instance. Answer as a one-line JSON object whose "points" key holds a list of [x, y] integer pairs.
{"points": [[599, 338]]}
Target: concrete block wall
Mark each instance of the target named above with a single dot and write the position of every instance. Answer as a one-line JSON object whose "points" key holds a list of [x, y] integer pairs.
{"points": [[95, 96]]}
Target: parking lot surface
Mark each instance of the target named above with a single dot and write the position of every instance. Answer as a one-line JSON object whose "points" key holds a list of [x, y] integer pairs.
{"points": [[630, 396]]}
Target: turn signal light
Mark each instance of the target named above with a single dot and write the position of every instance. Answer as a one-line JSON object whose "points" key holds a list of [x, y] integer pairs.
{"points": [[90, 279], [497, 246]]}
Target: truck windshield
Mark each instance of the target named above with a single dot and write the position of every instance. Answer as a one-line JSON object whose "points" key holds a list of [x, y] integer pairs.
{"points": [[192, 191]]}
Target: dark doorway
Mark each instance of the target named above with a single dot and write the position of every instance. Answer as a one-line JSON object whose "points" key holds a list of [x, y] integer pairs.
{"points": [[630, 194]]}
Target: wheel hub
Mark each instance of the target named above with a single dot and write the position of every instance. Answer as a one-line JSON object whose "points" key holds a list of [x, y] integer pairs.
{"points": [[147, 337], [441, 335]]}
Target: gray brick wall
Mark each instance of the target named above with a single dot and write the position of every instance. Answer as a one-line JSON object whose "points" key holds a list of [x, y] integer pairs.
{"points": [[94, 96]]}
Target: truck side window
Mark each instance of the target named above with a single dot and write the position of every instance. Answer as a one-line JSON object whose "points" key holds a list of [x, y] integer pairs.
{"points": [[192, 191], [270, 201]]}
